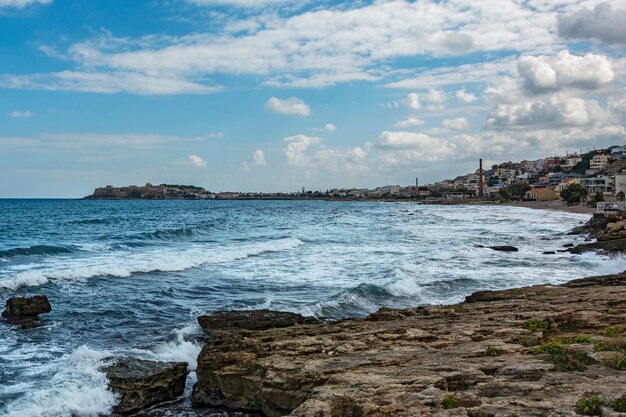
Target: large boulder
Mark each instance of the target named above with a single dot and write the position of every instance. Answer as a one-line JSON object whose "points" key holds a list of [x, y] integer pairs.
{"points": [[251, 320], [142, 383], [26, 308]]}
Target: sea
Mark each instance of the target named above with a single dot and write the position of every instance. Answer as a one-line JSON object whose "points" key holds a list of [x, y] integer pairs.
{"points": [[129, 278]]}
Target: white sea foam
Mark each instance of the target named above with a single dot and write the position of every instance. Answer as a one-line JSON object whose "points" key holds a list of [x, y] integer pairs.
{"points": [[76, 388], [125, 263], [180, 349]]}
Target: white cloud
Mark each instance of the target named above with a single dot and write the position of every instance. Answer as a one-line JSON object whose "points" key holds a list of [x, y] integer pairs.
{"points": [[92, 142], [291, 106], [557, 111], [409, 122], [459, 123], [296, 148], [22, 3], [236, 3], [465, 96], [322, 46], [259, 157], [192, 160], [604, 23], [543, 74], [107, 83], [329, 127], [412, 101], [16, 114]]}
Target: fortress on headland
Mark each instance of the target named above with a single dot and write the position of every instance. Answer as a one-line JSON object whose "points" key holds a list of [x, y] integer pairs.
{"points": [[151, 192]]}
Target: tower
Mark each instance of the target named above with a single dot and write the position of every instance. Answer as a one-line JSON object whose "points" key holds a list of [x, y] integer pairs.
{"points": [[417, 186], [481, 180]]}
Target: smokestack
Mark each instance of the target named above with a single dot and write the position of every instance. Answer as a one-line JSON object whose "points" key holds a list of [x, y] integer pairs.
{"points": [[481, 182], [417, 186]]}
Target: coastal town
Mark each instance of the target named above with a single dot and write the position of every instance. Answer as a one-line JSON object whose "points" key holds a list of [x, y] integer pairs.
{"points": [[599, 174]]}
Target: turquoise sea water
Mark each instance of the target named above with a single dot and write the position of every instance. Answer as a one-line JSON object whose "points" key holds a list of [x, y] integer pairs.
{"points": [[128, 278]]}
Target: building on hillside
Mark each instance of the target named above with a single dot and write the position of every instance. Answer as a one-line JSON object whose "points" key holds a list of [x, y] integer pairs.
{"points": [[572, 161], [601, 183], [566, 182], [620, 184], [541, 194], [618, 152], [599, 161]]}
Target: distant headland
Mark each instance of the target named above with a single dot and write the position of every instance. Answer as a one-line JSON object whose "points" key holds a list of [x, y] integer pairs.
{"points": [[151, 192]]}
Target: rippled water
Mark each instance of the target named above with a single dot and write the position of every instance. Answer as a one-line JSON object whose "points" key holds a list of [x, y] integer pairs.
{"points": [[130, 277]]}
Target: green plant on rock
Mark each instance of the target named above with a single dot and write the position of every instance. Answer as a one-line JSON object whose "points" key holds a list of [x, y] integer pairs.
{"points": [[450, 401], [615, 345], [615, 361], [549, 348], [579, 338], [590, 406], [493, 351], [536, 324], [619, 404], [613, 331], [514, 415], [570, 360]]}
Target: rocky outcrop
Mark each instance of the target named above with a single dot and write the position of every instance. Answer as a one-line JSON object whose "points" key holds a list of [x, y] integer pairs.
{"points": [[143, 383], [616, 245], [26, 308], [595, 227], [251, 320], [472, 359]]}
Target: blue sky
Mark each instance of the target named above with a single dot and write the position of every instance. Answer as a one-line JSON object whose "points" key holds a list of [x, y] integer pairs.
{"points": [[262, 95]]}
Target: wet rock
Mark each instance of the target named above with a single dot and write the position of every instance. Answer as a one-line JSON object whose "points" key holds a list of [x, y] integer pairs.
{"points": [[251, 320], [142, 383], [568, 245], [504, 248], [615, 245], [26, 308], [549, 252]]}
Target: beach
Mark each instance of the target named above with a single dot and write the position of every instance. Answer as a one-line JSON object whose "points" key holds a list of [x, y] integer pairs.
{"points": [[556, 205]]}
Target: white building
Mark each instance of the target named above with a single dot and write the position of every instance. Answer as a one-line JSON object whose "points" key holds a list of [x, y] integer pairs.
{"points": [[599, 161], [602, 183]]}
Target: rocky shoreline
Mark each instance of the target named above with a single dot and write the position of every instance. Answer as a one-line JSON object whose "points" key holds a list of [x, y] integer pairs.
{"points": [[535, 351]]}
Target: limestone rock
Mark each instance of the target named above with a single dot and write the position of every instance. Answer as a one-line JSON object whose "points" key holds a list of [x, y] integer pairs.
{"points": [[405, 362], [144, 383], [25, 308], [251, 320]]}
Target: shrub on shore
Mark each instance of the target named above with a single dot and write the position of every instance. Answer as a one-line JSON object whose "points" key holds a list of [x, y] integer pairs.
{"points": [[615, 361], [493, 351], [536, 324], [619, 404], [449, 402], [590, 406], [613, 331]]}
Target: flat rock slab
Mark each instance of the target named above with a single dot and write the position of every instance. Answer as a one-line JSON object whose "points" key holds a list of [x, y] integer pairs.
{"points": [[405, 363], [251, 320], [144, 383], [26, 307]]}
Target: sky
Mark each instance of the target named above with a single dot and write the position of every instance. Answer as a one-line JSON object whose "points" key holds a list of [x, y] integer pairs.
{"points": [[275, 95]]}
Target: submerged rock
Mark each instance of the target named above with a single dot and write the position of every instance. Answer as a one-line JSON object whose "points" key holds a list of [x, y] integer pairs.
{"points": [[251, 320], [504, 248], [144, 383], [20, 309]]}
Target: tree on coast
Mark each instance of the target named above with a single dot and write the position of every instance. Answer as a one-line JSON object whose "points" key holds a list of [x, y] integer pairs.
{"points": [[515, 191], [574, 193]]}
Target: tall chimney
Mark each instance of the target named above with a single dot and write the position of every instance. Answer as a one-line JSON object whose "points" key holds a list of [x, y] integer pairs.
{"points": [[417, 186], [481, 182]]}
